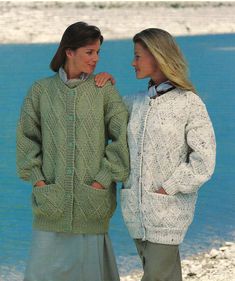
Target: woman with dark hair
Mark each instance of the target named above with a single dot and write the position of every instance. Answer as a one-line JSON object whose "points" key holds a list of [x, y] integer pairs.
{"points": [[71, 146]]}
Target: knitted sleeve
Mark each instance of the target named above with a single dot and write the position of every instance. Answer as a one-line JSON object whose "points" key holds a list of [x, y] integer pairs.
{"points": [[128, 101], [199, 133], [115, 164], [28, 138]]}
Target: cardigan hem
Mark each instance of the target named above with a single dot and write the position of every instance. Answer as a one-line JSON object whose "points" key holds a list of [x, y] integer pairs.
{"points": [[158, 235], [91, 228]]}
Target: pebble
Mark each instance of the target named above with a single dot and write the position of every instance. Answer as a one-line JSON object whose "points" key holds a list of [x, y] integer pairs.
{"points": [[229, 244], [213, 253]]}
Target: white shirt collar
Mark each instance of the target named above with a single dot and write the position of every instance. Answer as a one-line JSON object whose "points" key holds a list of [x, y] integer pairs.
{"points": [[64, 77]]}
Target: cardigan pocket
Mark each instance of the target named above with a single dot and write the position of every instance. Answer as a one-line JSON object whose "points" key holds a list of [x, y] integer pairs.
{"points": [[95, 204], [167, 211], [48, 201], [129, 205]]}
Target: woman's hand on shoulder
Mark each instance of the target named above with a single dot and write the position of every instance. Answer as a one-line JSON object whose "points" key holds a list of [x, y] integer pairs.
{"points": [[102, 78]]}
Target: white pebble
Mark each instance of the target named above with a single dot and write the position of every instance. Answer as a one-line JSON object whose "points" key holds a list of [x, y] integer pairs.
{"points": [[213, 253]]}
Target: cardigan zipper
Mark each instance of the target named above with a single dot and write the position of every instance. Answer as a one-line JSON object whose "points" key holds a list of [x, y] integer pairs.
{"points": [[141, 166]]}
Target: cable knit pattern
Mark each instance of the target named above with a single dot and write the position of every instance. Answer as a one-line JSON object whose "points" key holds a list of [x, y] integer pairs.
{"points": [[62, 138], [172, 145]]}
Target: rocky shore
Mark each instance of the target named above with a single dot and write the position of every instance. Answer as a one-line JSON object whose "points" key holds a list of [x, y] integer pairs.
{"points": [[215, 265], [44, 22]]}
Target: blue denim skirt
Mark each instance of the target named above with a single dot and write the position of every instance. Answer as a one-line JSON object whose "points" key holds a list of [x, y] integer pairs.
{"points": [[70, 257]]}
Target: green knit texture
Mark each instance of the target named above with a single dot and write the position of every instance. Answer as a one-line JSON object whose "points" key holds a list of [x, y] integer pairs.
{"points": [[70, 136]]}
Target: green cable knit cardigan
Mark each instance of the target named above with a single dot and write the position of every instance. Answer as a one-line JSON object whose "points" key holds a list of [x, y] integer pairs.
{"points": [[70, 136]]}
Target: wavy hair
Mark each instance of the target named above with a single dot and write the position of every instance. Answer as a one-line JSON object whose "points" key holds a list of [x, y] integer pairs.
{"points": [[167, 53]]}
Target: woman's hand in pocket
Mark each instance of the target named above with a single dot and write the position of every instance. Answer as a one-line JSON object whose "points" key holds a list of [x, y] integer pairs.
{"points": [[97, 185], [161, 191], [40, 184]]}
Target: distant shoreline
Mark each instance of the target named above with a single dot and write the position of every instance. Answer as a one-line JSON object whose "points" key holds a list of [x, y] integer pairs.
{"points": [[44, 22]]}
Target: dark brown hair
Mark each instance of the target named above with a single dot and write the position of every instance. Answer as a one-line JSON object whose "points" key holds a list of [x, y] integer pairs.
{"points": [[77, 35]]}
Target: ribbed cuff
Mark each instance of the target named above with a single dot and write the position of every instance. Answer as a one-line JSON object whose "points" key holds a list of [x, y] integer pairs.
{"points": [[104, 178], [170, 186], [36, 175]]}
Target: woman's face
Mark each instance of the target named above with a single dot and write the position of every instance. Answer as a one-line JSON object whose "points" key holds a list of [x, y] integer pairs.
{"points": [[145, 64], [82, 60]]}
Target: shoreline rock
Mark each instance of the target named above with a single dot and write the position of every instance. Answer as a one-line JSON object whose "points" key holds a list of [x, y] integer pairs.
{"points": [[44, 22], [216, 265]]}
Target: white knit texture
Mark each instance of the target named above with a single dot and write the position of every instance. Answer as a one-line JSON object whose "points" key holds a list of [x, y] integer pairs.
{"points": [[172, 145]]}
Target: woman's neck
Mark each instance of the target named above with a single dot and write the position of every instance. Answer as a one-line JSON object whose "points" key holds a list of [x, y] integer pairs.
{"points": [[71, 74], [159, 78], [160, 81]]}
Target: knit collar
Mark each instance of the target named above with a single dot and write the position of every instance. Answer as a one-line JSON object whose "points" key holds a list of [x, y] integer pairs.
{"points": [[156, 91], [71, 83]]}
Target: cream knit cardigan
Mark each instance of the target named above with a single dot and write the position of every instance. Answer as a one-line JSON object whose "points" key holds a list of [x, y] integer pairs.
{"points": [[172, 145]]}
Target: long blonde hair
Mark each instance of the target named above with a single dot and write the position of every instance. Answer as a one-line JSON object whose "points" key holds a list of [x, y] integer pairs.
{"points": [[167, 53]]}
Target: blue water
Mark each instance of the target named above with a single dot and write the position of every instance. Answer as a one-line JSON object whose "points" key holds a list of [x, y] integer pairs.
{"points": [[212, 63]]}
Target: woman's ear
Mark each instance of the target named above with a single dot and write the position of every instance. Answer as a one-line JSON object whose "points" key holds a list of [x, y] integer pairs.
{"points": [[69, 53]]}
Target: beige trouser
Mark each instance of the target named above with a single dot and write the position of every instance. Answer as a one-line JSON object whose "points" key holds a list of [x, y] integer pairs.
{"points": [[160, 262]]}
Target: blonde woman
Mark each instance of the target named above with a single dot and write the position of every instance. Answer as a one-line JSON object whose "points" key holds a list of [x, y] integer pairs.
{"points": [[172, 154]]}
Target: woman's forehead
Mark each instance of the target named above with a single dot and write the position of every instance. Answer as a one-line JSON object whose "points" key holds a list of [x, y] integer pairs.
{"points": [[92, 45]]}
